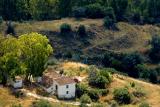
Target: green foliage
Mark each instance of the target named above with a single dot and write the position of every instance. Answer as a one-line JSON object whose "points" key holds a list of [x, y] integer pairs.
{"points": [[94, 94], [16, 105], [144, 104], [82, 31], [95, 11], [64, 7], [43, 9], [29, 53], [99, 78], [153, 77], [1, 19], [79, 12], [137, 11], [65, 29], [109, 23], [81, 89], [85, 99], [41, 103], [120, 7], [122, 96], [155, 50], [10, 29], [35, 50]]}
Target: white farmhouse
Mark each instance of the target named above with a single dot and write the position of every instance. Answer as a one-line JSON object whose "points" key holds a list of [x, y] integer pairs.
{"points": [[17, 83], [63, 87]]}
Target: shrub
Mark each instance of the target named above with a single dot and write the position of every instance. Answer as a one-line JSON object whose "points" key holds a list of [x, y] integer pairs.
{"points": [[101, 81], [153, 76], [81, 89], [142, 71], [122, 96], [109, 23], [144, 104], [94, 94], [103, 92], [82, 31], [41, 103], [16, 105], [130, 61], [10, 29], [85, 99], [1, 19], [114, 104], [155, 50], [110, 13], [106, 73], [65, 29], [139, 93], [79, 12], [95, 11]]}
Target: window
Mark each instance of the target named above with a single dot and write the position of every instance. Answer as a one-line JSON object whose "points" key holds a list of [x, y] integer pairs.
{"points": [[56, 87], [67, 86], [67, 92]]}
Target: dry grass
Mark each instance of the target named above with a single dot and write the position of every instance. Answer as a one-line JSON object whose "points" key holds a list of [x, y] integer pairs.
{"points": [[128, 38], [74, 68], [7, 100], [152, 91]]}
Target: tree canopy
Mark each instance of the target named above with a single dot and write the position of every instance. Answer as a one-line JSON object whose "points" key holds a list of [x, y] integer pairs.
{"points": [[25, 55]]}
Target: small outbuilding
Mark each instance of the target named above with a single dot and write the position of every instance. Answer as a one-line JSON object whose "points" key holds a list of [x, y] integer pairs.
{"points": [[17, 83]]}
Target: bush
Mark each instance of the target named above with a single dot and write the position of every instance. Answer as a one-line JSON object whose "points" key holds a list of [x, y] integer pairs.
{"points": [[10, 29], [106, 73], [144, 104], [65, 29], [122, 96], [41, 103], [110, 13], [85, 99], [114, 104], [130, 61], [142, 71], [153, 76], [81, 89], [79, 12], [109, 23], [95, 11], [155, 50], [101, 81], [82, 31], [103, 92], [139, 93], [1, 19], [16, 105], [94, 94]]}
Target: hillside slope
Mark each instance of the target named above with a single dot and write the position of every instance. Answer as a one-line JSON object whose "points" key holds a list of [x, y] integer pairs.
{"points": [[128, 38]]}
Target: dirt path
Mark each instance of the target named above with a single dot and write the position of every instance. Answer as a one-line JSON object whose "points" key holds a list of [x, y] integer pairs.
{"points": [[28, 93]]}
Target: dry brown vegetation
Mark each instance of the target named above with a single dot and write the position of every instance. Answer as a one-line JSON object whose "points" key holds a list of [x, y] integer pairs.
{"points": [[127, 38], [7, 99]]}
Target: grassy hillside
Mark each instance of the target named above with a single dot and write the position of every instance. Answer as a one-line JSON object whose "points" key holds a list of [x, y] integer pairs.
{"points": [[128, 38], [152, 92], [7, 99]]}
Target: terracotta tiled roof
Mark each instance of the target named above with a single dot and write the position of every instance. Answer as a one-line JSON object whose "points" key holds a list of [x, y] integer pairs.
{"points": [[64, 80], [52, 74], [49, 76]]}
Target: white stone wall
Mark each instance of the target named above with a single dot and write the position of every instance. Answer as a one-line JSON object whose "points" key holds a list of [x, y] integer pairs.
{"points": [[17, 84], [62, 91]]}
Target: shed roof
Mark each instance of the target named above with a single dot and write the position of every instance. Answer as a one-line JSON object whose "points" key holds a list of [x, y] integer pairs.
{"points": [[64, 80]]}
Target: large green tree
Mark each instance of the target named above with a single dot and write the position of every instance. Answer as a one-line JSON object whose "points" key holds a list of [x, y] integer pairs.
{"points": [[10, 65], [35, 49]]}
